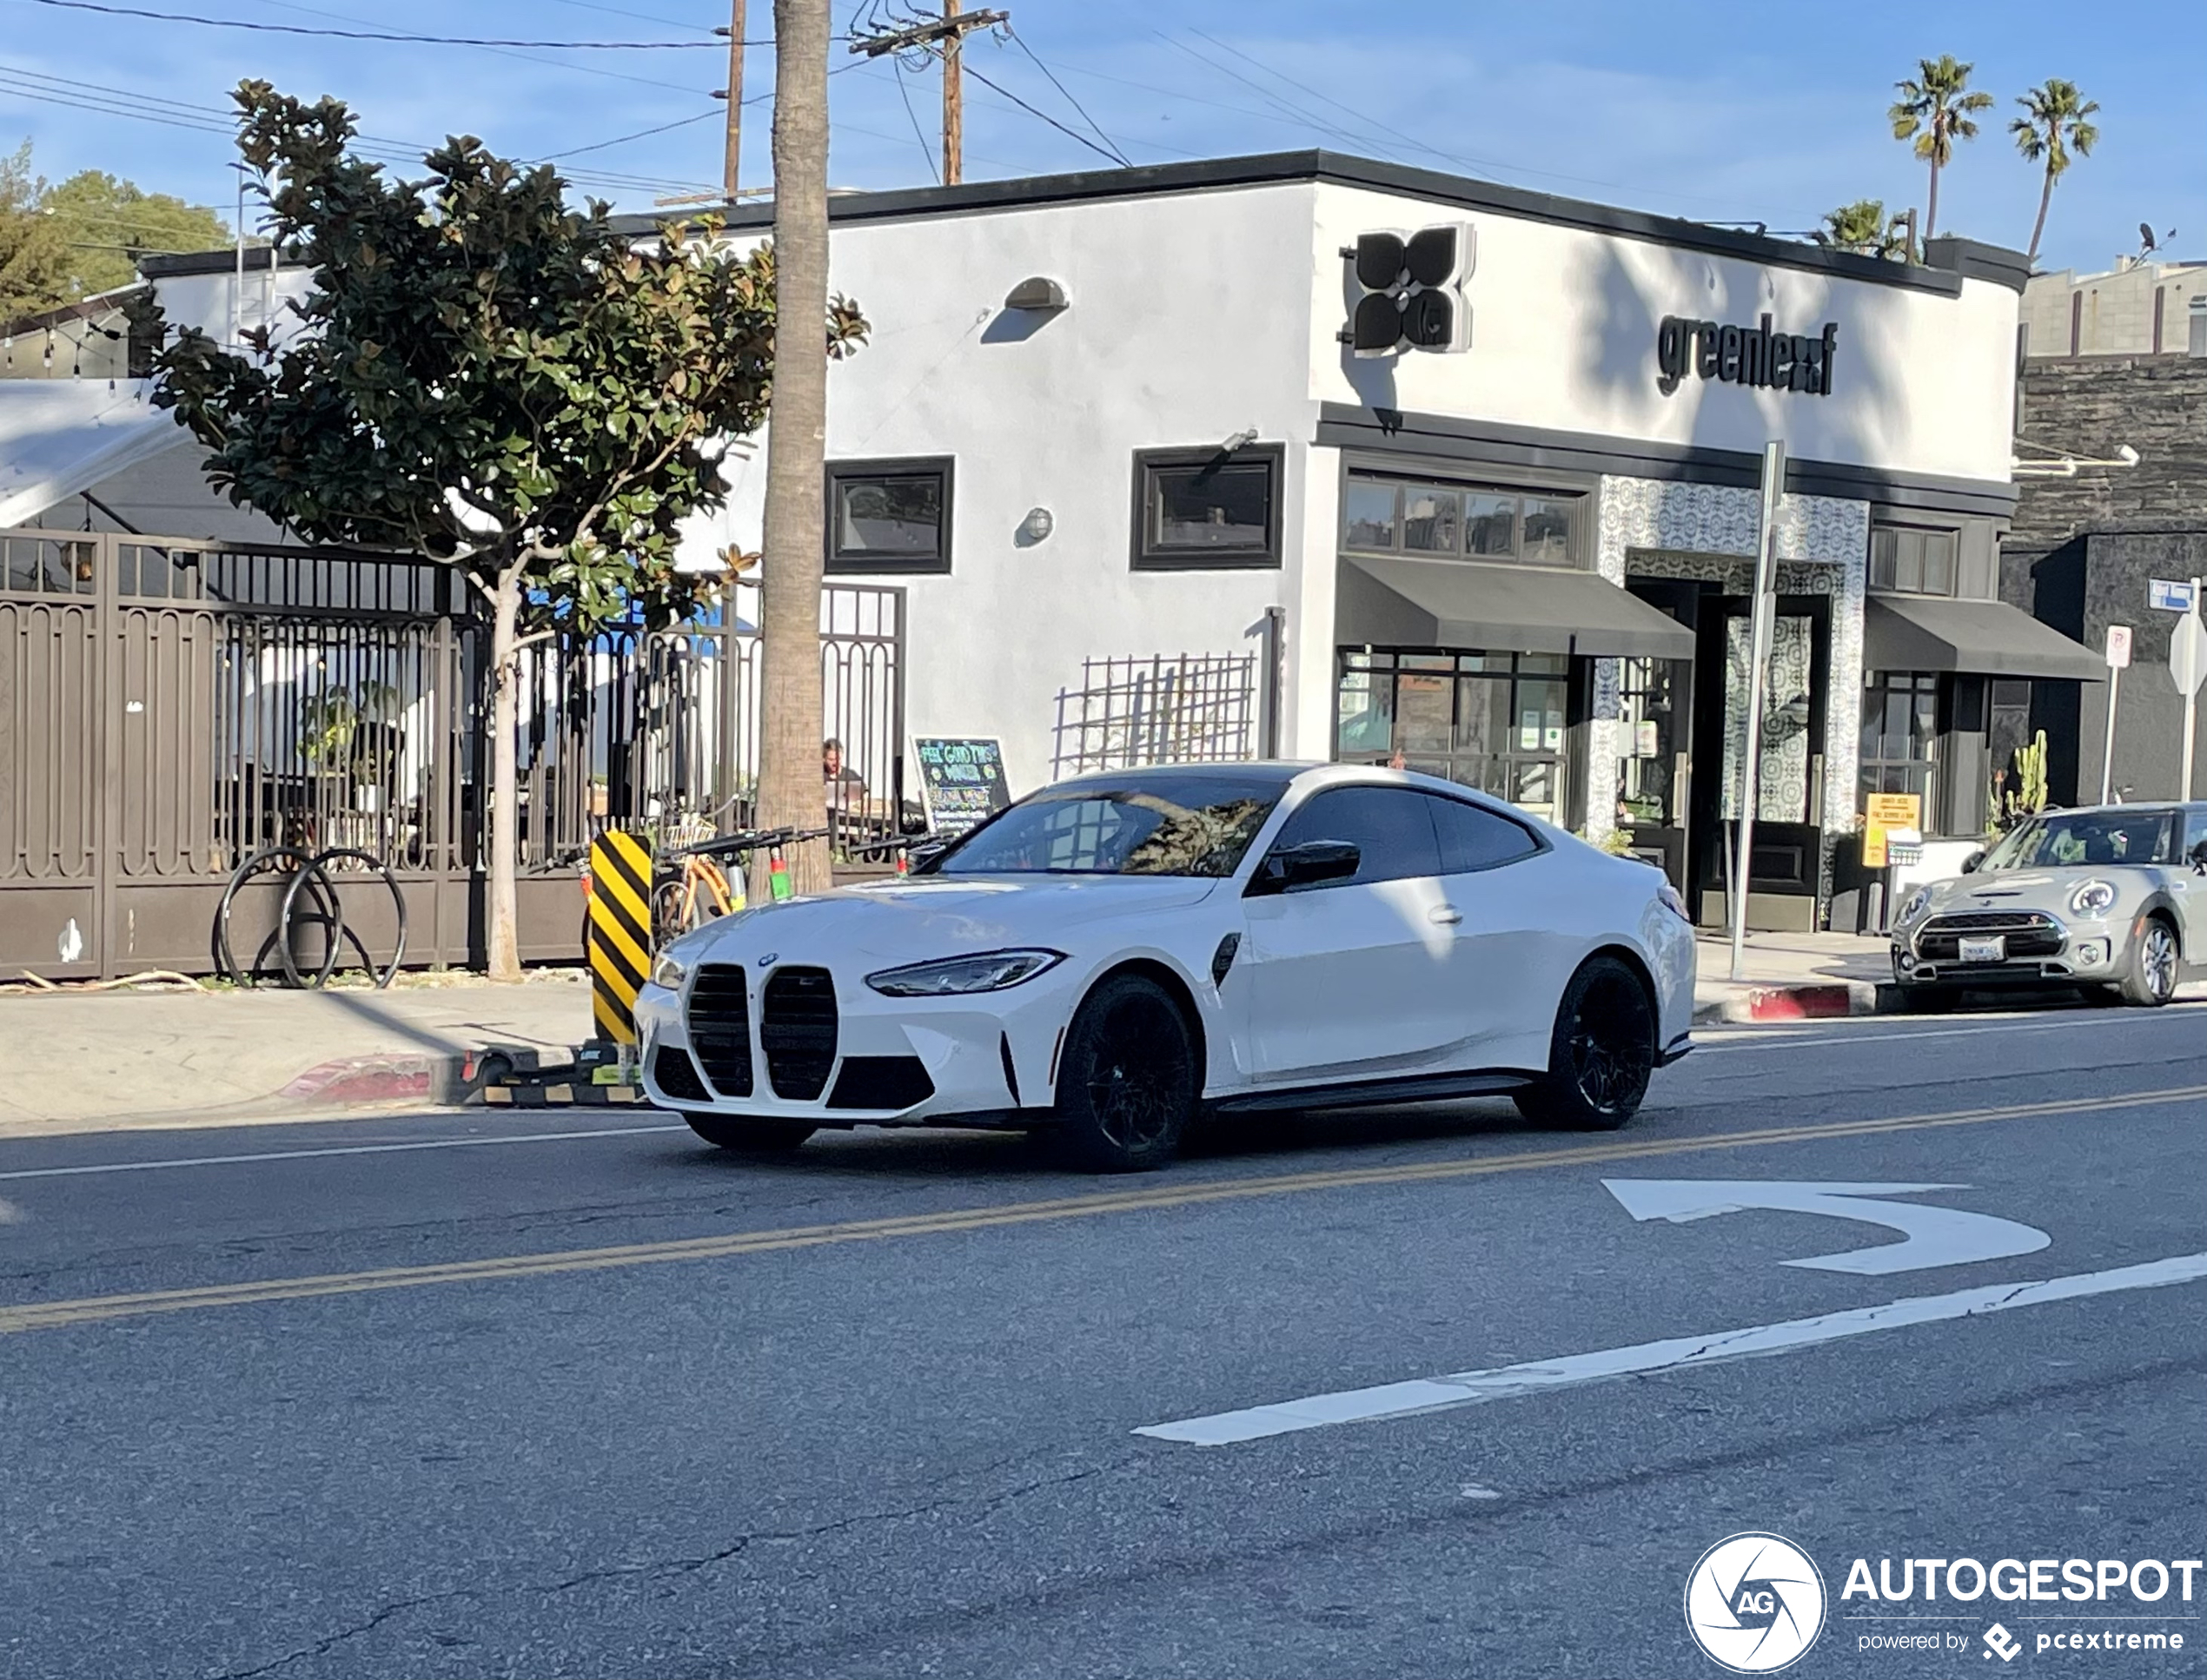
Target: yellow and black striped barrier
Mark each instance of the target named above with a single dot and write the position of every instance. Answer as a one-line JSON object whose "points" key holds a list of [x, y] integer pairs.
{"points": [[620, 931]]}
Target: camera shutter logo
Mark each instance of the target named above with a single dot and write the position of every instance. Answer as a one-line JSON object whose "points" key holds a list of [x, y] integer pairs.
{"points": [[1754, 1603]]}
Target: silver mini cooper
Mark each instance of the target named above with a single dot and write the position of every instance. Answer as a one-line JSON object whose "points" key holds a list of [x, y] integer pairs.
{"points": [[2109, 896]]}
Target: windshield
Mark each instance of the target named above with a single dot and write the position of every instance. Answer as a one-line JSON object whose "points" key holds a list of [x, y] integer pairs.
{"points": [[1172, 826], [2084, 838]]}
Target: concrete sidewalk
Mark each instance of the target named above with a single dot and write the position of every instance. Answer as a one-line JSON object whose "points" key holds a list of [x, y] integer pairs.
{"points": [[1792, 976], [75, 1061]]}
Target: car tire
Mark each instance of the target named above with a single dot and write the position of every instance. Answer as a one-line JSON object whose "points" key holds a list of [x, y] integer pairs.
{"points": [[1127, 1079], [2149, 976], [1599, 1054], [750, 1137]]}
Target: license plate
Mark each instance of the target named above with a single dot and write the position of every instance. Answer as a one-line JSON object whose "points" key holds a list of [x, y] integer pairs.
{"points": [[1983, 950]]}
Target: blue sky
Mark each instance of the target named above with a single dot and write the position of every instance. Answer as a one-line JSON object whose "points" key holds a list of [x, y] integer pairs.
{"points": [[1717, 111]]}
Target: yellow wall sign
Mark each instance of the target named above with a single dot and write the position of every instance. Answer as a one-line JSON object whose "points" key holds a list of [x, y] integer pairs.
{"points": [[1885, 812]]}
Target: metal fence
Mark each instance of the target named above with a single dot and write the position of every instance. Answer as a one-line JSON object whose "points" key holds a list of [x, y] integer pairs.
{"points": [[169, 708], [1161, 708]]}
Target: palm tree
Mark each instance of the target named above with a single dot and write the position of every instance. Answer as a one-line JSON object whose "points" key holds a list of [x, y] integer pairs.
{"points": [[1863, 227], [1935, 112], [2053, 125], [790, 724]]}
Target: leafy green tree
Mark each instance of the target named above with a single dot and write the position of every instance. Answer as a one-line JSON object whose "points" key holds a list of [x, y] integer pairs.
{"points": [[485, 376], [1935, 111], [108, 224], [1865, 227], [34, 250], [2055, 123]]}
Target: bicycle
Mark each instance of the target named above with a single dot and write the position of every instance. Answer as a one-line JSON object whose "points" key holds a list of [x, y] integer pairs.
{"points": [[700, 890]]}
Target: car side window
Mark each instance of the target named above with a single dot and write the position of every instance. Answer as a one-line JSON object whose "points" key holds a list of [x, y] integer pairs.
{"points": [[2195, 838], [1389, 827], [1475, 838]]}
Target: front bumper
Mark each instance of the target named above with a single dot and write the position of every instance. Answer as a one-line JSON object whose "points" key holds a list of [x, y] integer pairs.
{"points": [[985, 1060], [2085, 951]]}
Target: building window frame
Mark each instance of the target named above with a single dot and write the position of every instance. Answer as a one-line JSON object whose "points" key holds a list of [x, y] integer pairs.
{"points": [[1507, 765], [1876, 771], [1902, 558], [1149, 552], [861, 563], [1476, 501]]}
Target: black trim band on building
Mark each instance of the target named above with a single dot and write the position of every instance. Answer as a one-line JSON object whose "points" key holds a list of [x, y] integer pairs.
{"points": [[1434, 186], [1493, 443]]}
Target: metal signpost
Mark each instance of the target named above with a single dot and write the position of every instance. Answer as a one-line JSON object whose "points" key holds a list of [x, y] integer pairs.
{"points": [[2119, 658], [1774, 479], [2188, 666]]}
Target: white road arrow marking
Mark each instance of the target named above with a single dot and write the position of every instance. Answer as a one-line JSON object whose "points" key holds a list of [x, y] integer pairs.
{"points": [[1929, 1236]]}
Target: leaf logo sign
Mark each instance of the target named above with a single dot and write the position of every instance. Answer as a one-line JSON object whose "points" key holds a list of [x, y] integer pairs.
{"points": [[1755, 1604]]}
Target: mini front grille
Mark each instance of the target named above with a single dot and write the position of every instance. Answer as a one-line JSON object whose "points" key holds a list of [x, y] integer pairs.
{"points": [[720, 1027], [796, 1032], [2028, 934], [677, 1076], [881, 1081]]}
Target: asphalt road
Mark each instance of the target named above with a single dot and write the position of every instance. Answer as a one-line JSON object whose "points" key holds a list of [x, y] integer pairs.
{"points": [[530, 1395]]}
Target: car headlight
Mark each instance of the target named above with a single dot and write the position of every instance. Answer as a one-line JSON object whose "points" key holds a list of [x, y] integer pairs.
{"points": [[990, 972], [1918, 902], [2092, 898], [669, 970], [1666, 895]]}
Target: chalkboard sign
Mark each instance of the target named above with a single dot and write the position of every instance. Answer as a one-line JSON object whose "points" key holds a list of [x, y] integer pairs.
{"points": [[961, 782]]}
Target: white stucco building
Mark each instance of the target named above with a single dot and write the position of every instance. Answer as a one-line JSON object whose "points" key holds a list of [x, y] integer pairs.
{"points": [[1106, 421]]}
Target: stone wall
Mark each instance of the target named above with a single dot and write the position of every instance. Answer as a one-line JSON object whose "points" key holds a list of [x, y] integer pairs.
{"points": [[2081, 551]]}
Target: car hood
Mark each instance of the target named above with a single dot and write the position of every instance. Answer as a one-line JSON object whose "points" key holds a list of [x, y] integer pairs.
{"points": [[2039, 889], [913, 918]]}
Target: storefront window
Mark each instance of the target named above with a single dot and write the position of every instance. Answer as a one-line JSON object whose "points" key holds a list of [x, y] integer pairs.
{"points": [[1391, 516], [1654, 738], [1899, 733], [1910, 561], [1497, 722]]}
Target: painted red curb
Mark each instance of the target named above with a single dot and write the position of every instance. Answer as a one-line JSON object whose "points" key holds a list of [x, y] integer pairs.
{"points": [[1799, 1003], [367, 1079]]}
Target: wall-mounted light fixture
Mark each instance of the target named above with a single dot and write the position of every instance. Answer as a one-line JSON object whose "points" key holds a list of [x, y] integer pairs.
{"points": [[1036, 294], [1241, 440], [1036, 526]]}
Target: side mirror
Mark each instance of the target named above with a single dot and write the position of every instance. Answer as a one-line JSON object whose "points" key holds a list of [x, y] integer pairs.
{"points": [[1970, 863], [1305, 865]]}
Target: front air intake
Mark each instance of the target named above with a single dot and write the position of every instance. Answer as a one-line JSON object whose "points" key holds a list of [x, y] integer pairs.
{"points": [[720, 1027], [796, 1032]]}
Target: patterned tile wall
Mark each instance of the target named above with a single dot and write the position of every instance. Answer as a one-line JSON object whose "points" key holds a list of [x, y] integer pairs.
{"points": [[1708, 531]]}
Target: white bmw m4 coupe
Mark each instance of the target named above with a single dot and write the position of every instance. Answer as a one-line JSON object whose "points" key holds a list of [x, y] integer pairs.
{"points": [[1114, 956]]}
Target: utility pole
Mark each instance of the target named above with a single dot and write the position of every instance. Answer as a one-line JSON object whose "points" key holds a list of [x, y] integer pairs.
{"points": [[734, 96], [948, 33]]}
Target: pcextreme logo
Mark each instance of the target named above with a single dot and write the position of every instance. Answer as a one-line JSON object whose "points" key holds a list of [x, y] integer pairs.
{"points": [[1754, 1603]]}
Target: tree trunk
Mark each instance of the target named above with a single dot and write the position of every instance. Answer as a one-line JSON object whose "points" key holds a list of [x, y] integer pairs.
{"points": [[505, 838], [2039, 227], [791, 725], [1930, 209]]}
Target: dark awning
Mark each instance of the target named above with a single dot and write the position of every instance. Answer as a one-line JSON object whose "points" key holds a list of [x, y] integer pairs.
{"points": [[1522, 609], [1986, 638]]}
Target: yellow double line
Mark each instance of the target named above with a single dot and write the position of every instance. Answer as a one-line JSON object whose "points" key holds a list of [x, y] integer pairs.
{"points": [[52, 1315]]}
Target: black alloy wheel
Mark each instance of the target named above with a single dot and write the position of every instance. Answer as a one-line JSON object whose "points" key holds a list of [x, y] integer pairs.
{"points": [[1127, 1083], [750, 1137], [1601, 1055], [2151, 980]]}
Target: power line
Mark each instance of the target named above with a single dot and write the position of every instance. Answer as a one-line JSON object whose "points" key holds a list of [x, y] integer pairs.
{"points": [[643, 16], [1020, 42], [381, 35], [622, 140], [1071, 134], [904, 93]]}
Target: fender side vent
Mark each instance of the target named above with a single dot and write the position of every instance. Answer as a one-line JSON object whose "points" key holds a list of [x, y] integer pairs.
{"points": [[1010, 1073]]}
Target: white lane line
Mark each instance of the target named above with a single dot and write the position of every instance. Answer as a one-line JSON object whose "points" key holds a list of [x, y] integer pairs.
{"points": [[1677, 1353], [1789, 1041], [316, 1155]]}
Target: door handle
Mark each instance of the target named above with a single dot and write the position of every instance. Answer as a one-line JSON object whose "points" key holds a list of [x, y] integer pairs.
{"points": [[1447, 914]]}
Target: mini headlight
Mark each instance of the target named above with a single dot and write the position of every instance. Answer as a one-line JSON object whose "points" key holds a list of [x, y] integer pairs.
{"points": [[2092, 898], [669, 970], [1666, 895], [990, 972], [1918, 902]]}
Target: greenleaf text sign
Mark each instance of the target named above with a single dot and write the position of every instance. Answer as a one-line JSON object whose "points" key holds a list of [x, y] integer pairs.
{"points": [[1744, 356]]}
